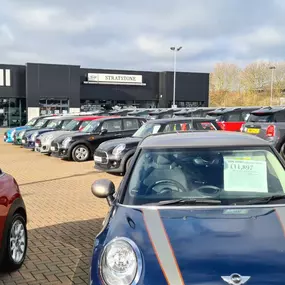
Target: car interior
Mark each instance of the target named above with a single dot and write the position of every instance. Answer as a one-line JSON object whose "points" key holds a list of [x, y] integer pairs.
{"points": [[172, 175]]}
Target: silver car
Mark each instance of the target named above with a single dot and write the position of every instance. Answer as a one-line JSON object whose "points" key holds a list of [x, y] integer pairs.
{"points": [[43, 142]]}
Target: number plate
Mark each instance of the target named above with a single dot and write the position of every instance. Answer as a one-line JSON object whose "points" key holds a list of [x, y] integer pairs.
{"points": [[253, 131], [97, 159], [23, 141], [52, 148], [37, 144]]}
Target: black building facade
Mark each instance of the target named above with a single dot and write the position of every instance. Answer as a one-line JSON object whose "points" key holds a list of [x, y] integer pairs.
{"points": [[36, 89]]}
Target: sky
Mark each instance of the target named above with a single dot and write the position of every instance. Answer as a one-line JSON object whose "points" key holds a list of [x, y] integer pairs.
{"points": [[137, 35]]}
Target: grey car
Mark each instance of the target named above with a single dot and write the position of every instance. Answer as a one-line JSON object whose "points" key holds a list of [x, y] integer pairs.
{"points": [[269, 124]]}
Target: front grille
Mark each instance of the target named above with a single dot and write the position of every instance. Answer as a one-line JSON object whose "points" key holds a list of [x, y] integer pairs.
{"points": [[102, 155]]}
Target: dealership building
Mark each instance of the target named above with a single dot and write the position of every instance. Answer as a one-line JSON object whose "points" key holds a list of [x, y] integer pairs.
{"points": [[36, 89]]}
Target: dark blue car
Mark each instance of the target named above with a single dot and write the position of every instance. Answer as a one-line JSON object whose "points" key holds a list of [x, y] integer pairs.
{"points": [[194, 208]]}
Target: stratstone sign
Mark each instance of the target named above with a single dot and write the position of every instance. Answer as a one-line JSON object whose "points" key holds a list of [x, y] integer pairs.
{"points": [[121, 79]]}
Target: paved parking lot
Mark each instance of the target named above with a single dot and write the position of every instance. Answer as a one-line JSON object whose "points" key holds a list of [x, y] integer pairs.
{"points": [[63, 216]]}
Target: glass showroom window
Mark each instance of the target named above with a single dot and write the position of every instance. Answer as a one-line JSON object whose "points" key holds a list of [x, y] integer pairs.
{"points": [[53, 106], [13, 112]]}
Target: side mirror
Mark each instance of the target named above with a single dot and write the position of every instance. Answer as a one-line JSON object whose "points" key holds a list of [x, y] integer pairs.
{"points": [[104, 188], [103, 132]]}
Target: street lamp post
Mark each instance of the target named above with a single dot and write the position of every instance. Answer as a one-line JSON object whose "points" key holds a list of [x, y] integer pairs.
{"points": [[272, 79], [175, 50]]}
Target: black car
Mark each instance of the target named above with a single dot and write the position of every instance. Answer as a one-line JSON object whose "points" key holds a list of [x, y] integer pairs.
{"points": [[114, 156], [79, 146]]}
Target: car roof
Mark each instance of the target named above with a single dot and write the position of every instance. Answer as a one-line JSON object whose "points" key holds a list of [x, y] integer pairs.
{"points": [[161, 111], [108, 118], [268, 110], [63, 118], [201, 139], [177, 119], [224, 110], [89, 118]]}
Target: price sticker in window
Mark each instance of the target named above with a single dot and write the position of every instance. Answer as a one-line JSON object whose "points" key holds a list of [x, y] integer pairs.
{"points": [[248, 174]]}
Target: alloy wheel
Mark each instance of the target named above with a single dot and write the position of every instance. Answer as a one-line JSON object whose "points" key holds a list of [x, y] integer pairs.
{"points": [[17, 241]]}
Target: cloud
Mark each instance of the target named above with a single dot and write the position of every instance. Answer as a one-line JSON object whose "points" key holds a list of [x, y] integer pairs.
{"points": [[137, 35]]}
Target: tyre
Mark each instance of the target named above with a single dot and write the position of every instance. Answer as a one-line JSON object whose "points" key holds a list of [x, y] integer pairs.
{"points": [[80, 153], [16, 244]]}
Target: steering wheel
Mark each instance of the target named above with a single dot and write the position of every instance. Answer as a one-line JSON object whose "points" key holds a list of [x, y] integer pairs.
{"points": [[168, 183], [209, 191]]}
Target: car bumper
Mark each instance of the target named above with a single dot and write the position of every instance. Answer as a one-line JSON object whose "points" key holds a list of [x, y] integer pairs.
{"points": [[42, 148], [28, 144], [57, 151], [17, 141], [7, 138], [108, 163]]}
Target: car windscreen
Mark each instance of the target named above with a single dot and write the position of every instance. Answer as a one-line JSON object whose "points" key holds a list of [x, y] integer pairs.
{"points": [[41, 123], [146, 130], [53, 124], [72, 125], [260, 118], [91, 127], [32, 122], [226, 174]]}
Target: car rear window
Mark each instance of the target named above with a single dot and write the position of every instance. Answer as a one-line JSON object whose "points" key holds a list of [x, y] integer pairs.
{"points": [[209, 126], [260, 118]]}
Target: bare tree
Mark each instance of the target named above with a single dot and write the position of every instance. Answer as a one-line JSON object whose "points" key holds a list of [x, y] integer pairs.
{"points": [[225, 77], [279, 78], [256, 77]]}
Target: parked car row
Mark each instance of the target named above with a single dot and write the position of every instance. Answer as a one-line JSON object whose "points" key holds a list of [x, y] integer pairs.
{"points": [[81, 138]]}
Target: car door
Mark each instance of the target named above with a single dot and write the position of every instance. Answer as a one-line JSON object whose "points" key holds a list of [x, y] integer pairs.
{"points": [[109, 129], [130, 126]]}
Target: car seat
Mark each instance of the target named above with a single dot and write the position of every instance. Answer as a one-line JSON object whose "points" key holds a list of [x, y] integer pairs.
{"points": [[166, 169]]}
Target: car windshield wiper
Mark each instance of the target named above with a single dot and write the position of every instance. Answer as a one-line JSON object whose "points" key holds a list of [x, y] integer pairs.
{"points": [[191, 201], [262, 200]]}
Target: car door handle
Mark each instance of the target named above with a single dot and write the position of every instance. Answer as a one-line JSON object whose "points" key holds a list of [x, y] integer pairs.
{"points": [[117, 135]]}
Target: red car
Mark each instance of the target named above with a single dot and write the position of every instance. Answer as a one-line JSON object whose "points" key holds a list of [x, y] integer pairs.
{"points": [[13, 219], [232, 119]]}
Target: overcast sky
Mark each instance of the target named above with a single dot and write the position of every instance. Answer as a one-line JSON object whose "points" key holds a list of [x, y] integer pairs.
{"points": [[137, 34]]}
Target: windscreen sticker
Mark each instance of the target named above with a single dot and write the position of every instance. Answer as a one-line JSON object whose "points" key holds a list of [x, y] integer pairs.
{"points": [[247, 174]]}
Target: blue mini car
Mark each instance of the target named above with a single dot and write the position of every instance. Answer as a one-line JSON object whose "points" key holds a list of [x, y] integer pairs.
{"points": [[194, 208], [9, 134]]}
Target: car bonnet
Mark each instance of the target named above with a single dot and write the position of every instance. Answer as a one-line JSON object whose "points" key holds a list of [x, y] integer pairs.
{"points": [[111, 144], [199, 246]]}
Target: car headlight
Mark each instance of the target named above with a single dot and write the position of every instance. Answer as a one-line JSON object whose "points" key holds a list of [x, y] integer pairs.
{"points": [[119, 149], [121, 262], [33, 136], [66, 142]]}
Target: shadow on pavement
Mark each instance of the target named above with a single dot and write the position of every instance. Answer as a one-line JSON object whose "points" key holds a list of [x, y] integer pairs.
{"points": [[61, 178], [58, 254]]}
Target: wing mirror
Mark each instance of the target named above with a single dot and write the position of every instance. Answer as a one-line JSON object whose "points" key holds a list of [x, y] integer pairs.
{"points": [[103, 132], [104, 188]]}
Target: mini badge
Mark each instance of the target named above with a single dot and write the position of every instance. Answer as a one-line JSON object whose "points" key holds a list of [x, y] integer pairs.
{"points": [[235, 279]]}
